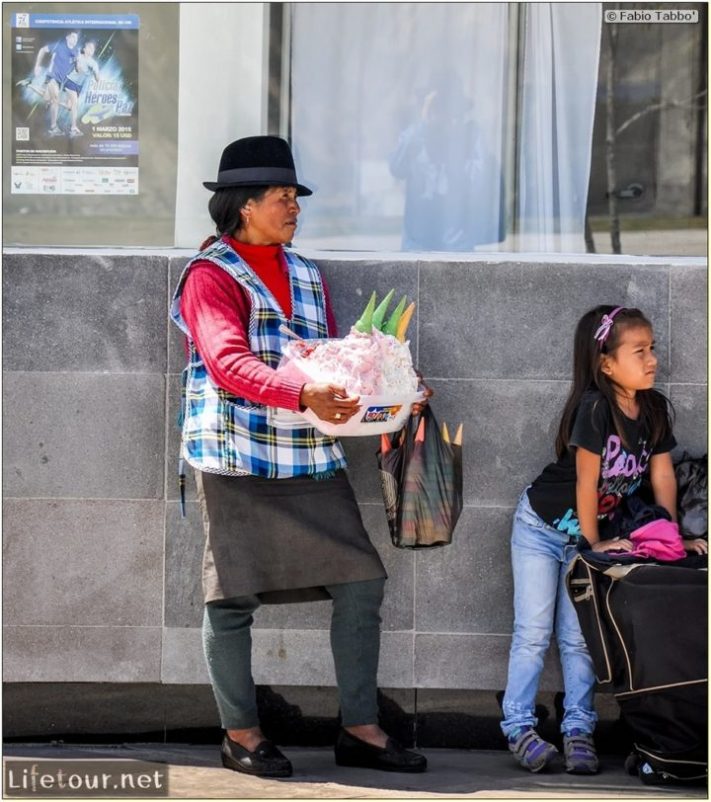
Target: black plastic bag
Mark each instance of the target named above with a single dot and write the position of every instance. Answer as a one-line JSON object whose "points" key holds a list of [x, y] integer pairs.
{"points": [[692, 495], [421, 476]]}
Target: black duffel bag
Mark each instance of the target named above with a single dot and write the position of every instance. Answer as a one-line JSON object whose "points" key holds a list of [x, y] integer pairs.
{"points": [[646, 626]]}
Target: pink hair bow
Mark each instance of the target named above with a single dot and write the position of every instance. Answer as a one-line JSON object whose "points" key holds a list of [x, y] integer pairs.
{"points": [[605, 325]]}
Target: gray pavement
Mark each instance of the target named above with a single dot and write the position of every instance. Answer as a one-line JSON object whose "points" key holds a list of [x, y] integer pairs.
{"points": [[195, 772]]}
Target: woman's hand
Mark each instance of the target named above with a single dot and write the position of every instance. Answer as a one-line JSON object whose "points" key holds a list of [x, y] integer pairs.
{"points": [[428, 391], [696, 544], [613, 545], [329, 402]]}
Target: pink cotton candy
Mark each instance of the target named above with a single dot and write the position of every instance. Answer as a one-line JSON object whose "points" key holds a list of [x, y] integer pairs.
{"points": [[365, 364]]}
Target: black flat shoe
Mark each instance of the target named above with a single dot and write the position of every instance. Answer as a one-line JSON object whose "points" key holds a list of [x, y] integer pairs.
{"points": [[265, 761], [352, 751]]}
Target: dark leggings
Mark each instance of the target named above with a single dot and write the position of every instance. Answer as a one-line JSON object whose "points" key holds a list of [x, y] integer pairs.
{"points": [[355, 643]]}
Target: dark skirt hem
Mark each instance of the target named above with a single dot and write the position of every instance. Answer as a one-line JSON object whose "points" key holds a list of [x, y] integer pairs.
{"points": [[283, 540]]}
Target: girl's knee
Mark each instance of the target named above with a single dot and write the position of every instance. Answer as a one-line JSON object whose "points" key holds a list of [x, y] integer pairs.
{"points": [[532, 640], [572, 644]]}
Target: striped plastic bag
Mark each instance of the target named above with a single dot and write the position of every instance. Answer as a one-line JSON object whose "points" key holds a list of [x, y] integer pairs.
{"points": [[421, 478]]}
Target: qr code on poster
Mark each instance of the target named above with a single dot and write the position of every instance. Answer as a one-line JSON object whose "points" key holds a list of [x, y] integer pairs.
{"points": [[22, 134]]}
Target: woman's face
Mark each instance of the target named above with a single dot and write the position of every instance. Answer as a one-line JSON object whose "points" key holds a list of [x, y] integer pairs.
{"points": [[271, 220]]}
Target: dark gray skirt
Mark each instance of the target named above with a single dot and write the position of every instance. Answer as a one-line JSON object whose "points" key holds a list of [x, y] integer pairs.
{"points": [[282, 539]]}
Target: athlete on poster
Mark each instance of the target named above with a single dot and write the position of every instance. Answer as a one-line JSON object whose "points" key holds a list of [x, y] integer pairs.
{"points": [[75, 104]]}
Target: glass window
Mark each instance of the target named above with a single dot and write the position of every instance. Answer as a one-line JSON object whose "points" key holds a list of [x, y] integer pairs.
{"points": [[224, 96], [650, 184], [482, 127], [445, 127], [400, 119], [454, 127]]}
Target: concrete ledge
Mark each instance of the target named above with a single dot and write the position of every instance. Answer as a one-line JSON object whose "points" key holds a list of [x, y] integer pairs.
{"points": [[457, 660], [285, 657], [390, 256], [96, 313], [291, 715], [84, 435], [102, 577], [81, 654], [83, 562]]}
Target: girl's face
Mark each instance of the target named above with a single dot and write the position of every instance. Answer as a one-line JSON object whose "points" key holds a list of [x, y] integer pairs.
{"points": [[633, 364]]}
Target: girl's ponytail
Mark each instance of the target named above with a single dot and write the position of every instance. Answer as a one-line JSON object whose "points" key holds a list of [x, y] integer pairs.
{"points": [[585, 356]]}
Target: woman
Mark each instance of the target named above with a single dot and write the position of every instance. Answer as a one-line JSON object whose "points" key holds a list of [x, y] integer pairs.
{"points": [[273, 533]]}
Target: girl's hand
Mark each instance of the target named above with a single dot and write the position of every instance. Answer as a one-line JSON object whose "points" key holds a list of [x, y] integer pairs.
{"points": [[613, 545], [696, 544]]}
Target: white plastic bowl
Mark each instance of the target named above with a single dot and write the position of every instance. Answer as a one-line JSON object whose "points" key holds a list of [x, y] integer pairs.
{"points": [[377, 414]]}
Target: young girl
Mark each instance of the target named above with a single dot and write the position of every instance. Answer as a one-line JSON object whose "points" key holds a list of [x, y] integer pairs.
{"points": [[615, 430]]}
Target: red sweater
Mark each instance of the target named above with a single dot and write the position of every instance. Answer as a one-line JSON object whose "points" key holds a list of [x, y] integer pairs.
{"points": [[216, 310]]}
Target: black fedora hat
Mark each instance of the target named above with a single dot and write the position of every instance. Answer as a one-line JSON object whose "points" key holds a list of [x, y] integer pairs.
{"points": [[257, 161]]}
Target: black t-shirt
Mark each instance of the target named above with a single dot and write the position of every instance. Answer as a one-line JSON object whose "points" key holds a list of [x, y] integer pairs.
{"points": [[552, 495]]}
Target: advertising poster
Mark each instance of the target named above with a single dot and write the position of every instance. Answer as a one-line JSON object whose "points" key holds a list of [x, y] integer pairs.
{"points": [[75, 104]]}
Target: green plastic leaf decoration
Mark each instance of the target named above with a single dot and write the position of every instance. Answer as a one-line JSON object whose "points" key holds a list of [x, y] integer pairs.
{"points": [[391, 326], [379, 314], [364, 323]]}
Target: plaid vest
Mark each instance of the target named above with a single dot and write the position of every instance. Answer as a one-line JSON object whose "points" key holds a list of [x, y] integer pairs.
{"points": [[234, 436]]}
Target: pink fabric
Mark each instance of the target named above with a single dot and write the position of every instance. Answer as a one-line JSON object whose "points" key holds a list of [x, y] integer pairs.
{"points": [[659, 539]]}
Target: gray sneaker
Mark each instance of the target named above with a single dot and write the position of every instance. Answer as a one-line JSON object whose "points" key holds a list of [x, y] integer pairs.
{"points": [[580, 754], [531, 751]]}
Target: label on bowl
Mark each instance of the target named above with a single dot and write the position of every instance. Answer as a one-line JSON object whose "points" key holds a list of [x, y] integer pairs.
{"points": [[381, 414]]}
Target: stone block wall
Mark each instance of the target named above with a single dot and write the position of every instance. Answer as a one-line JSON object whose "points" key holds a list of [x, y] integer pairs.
{"points": [[101, 574]]}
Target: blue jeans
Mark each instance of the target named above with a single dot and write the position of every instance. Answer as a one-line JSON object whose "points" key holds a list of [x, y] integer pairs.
{"points": [[540, 556]]}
